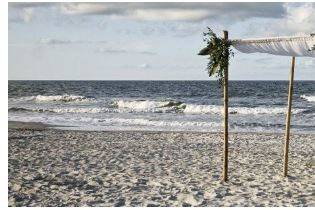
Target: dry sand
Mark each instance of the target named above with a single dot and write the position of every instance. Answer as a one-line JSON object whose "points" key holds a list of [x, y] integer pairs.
{"points": [[50, 167]]}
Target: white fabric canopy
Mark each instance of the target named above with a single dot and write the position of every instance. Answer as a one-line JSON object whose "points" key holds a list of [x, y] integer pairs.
{"points": [[286, 46]]}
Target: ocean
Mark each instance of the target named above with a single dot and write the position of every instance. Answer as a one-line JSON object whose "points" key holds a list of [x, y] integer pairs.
{"points": [[255, 106]]}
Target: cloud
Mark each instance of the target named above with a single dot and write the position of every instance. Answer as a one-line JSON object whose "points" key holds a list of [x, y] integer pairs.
{"points": [[29, 4], [24, 15], [299, 20], [184, 29], [91, 8], [147, 53], [145, 66], [27, 14], [176, 11], [54, 41], [106, 47], [185, 18], [23, 12], [111, 50], [300, 17], [167, 11], [169, 14]]}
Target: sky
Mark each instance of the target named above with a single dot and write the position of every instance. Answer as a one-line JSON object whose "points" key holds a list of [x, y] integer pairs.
{"points": [[148, 41]]}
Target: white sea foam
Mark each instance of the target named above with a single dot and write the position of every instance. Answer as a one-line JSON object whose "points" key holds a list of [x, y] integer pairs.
{"points": [[308, 98], [165, 106], [212, 109], [263, 110], [161, 123], [52, 98], [78, 110], [90, 123], [202, 109], [140, 105], [61, 98], [147, 106]]}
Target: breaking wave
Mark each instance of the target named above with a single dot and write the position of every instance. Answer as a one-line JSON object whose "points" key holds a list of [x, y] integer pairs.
{"points": [[55, 98], [308, 98], [147, 106], [180, 107], [62, 98]]}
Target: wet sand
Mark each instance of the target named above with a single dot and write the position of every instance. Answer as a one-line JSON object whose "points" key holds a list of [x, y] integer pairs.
{"points": [[50, 167]]}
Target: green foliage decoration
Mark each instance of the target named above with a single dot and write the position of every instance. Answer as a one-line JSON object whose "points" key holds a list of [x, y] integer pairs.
{"points": [[219, 51]]}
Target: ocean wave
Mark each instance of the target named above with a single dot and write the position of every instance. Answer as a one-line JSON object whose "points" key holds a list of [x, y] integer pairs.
{"points": [[54, 98], [308, 98], [62, 98], [147, 106], [202, 109], [19, 109], [264, 110], [213, 109], [180, 107]]}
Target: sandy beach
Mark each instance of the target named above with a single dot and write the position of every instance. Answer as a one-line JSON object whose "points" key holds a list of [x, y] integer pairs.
{"points": [[51, 167]]}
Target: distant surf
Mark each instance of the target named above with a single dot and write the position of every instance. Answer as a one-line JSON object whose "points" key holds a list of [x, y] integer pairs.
{"points": [[156, 105], [55, 98], [150, 106]]}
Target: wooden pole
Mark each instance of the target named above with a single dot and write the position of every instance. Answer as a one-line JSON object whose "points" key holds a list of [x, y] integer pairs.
{"points": [[288, 123], [226, 134]]}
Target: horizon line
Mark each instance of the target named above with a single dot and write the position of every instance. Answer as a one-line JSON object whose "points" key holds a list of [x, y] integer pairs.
{"points": [[150, 80]]}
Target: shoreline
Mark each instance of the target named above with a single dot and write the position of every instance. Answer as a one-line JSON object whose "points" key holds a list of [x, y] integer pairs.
{"points": [[42, 126]]}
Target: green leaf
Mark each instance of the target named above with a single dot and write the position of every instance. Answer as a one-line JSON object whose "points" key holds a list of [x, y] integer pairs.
{"points": [[219, 51]]}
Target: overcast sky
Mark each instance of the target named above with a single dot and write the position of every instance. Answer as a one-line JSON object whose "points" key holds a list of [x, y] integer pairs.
{"points": [[148, 41]]}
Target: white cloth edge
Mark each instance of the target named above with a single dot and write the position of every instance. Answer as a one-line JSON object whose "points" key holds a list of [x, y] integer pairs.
{"points": [[285, 46]]}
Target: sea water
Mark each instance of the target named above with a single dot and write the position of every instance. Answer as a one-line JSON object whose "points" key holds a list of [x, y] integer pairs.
{"points": [[254, 106]]}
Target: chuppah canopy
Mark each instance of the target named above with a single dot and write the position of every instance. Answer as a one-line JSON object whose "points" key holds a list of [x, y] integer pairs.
{"points": [[285, 46]]}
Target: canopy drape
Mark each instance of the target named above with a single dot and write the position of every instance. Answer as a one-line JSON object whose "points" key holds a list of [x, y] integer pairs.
{"points": [[285, 46]]}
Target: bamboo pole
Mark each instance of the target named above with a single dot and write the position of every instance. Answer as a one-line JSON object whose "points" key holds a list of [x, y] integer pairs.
{"points": [[288, 121], [226, 101]]}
